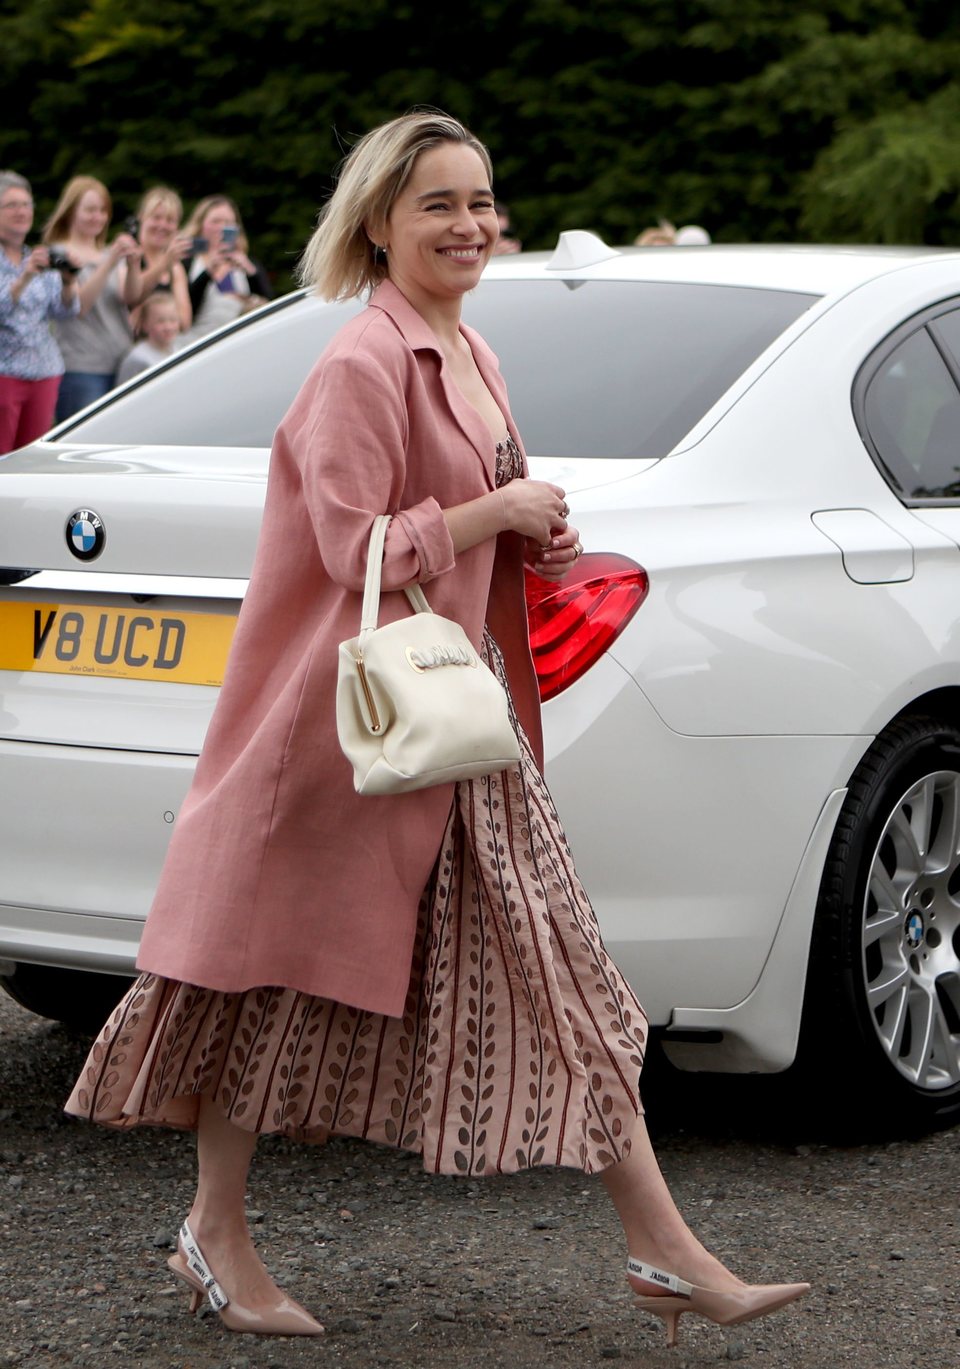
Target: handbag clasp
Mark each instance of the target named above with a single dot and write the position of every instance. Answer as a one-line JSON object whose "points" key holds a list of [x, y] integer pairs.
{"points": [[375, 723]]}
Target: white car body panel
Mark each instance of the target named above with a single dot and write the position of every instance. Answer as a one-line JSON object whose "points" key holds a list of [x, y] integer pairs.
{"points": [[692, 885], [112, 813]]}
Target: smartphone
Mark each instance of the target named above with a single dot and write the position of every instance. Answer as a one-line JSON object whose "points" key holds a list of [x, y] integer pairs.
{"points": [[200, 245], [229, 235]]}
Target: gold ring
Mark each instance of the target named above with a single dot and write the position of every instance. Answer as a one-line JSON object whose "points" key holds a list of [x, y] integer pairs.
{"points": [[578, 549]]}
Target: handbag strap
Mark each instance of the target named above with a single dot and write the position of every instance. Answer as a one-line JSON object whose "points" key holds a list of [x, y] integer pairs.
{"points": [[370, 611]]}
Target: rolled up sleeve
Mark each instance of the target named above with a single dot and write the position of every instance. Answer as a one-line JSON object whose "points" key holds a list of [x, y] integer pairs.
{"points": [[352, 453]]}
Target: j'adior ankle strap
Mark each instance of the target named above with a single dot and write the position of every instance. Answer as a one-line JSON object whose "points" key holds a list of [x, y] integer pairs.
{"points": [[196, 1262], [651, 1274]]}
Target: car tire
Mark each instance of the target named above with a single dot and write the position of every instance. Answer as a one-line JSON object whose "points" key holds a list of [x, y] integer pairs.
{"points": [[880, 1041], [77, 998]]}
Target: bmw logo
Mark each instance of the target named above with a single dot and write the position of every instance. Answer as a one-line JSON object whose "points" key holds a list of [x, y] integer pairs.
{"points": [[914, 930], [86, 536]]}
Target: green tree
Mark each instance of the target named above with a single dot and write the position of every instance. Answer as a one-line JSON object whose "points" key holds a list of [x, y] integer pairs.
{"points": [[827, 119]]}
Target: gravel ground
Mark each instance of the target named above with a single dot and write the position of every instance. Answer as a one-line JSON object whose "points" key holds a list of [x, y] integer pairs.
{"points": [[408, 1270]]}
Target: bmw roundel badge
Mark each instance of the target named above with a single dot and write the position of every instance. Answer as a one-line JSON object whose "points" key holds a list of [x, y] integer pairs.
{"points": [[86, 536]]}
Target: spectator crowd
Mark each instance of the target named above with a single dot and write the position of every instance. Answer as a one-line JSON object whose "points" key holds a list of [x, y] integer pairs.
{"points": [[79, 314]]}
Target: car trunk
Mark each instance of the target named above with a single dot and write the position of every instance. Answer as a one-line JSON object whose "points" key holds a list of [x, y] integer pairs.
{"points": [[124, 650]]}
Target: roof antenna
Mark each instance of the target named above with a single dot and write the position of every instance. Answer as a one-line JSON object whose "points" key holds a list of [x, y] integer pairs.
{"points": [[576, 248]]}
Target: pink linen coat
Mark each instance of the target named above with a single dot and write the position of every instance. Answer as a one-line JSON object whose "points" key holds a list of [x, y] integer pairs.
{"points": [[277, 871]]}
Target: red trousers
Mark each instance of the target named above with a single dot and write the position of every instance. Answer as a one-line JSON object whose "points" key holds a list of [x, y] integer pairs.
{"points": [[26, 410]]}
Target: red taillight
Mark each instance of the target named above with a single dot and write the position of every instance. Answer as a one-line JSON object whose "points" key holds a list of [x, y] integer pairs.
{"points": [[574, 621]]}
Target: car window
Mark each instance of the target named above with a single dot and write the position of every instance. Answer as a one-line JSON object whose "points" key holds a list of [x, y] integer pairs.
{"points": [[622, 368], [912, 413], [232, 392], [947, 328], [602, 369]]}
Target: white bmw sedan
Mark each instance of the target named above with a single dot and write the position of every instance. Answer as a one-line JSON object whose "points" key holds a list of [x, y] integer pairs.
{"points": [[751, 686]]}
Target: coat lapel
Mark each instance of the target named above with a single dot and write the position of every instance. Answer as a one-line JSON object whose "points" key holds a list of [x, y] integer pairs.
{"points": [[420, 337]]}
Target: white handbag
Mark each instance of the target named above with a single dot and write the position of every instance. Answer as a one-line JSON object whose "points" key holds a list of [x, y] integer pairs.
{"points": [[415, 704]]}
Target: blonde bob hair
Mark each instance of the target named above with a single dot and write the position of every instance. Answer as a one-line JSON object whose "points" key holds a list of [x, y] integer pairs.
{"points": [[340, 260], [160, 197], [60, 222], [194, 225]]}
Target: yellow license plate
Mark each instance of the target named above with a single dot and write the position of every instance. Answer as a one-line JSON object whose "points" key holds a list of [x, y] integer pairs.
{"points": [[124, 643]]}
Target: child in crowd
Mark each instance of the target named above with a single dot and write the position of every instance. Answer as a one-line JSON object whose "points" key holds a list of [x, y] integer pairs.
{"points": [[158, 328]]}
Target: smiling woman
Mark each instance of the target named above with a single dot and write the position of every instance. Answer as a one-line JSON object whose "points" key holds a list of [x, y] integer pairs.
{"points": [[224, 282], [423, 969], [95, 341], [434, 236]]}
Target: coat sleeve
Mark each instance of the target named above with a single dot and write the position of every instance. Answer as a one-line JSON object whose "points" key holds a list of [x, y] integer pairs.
{"points": [[351, 451]]}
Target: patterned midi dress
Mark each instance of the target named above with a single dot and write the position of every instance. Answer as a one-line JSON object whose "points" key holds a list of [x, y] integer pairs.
{"points": [[520, 1044]]}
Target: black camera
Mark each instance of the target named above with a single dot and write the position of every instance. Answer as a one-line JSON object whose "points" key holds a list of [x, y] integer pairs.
{"points": [[131, 225], [59, 261]]}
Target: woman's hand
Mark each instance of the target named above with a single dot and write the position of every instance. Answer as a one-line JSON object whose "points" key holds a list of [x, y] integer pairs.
{"points": [[535, 509], [124, 246], [552, 562], [241, 261], [38, 260]]}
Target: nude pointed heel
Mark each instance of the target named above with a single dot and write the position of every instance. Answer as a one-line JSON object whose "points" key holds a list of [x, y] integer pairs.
{"points": [[286, 1318], [724, 1309]]}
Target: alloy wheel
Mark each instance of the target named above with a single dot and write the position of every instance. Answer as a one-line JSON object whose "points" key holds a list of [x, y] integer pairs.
{"points": [[910, 949]]}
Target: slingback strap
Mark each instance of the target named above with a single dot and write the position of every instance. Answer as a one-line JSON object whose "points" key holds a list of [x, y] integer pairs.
{"points": [[651, 1274], [370, 611], [198, 1265]]}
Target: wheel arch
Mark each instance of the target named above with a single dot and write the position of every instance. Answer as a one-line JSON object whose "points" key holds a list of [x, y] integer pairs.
{"points": [[942, 703]]}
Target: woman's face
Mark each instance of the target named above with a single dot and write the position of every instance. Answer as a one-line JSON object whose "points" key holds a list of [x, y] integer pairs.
{"points": [[16, 215], [162, 324], [157, 228], [442, 227], [91, 215], [215, 221]]}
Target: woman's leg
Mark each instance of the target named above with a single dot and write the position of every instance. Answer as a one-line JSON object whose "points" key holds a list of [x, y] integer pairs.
{"points": [[11, 403], [36, 413], [654, 1230], [218, 1218]]}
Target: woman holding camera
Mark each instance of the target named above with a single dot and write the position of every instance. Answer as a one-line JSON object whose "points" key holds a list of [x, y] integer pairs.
{"points": [[30, 295], [224, 281], [94, 343], [162, 249]]}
